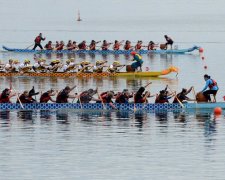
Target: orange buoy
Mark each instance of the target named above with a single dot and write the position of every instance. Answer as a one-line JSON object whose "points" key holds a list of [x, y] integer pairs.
{"points": [[205, 67], [217, 111], [203, 57], [201, 50]]}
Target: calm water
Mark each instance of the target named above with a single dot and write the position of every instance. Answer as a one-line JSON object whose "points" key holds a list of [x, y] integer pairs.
{"points": [[115, 145]]}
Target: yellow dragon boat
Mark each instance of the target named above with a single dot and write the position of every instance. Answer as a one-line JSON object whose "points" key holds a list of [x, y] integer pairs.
{"points": [[93, 74]]}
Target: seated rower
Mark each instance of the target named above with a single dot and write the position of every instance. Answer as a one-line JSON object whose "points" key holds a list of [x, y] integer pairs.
{"points": [[137, 64], [45, 97], [74, 46], [123, 97], [114, 67], [25, 67], [127, 45], [40, 65], [100, 64], [140, 96], [11, 66], [69, 45], [54, 65], [66, 66], [60, 46], [63, 95], [6, 95], [82, 45], [182, 96], [87, 96], [117, 45], [152, 46], [24, 98], [106, 97], [138, 46], [105, 45], [56, 45], [48, 46], [212, 87], [92, 46], [164, 97], [85, 67]]}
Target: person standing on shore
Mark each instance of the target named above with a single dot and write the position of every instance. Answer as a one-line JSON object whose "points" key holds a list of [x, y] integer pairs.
{"points": [[37, 41]]}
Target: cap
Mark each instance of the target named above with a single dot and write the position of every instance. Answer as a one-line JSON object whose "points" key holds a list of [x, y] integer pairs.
{"points": [[133, 53]]}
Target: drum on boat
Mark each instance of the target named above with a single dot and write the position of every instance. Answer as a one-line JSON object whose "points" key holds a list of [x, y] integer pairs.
{"points": [[163, 46], [200, 97], [129, 68]]}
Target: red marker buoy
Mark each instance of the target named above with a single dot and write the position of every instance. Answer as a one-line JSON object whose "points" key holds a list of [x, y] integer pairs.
{"points": [[201, 50], [203, 57], [217, 111], [205, 67]]}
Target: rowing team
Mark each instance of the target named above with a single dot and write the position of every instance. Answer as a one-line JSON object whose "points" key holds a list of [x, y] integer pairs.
{"points": [[70, 66], [72, 45], [141, 96]]}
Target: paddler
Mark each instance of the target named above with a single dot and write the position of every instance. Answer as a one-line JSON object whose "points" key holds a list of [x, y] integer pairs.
{"points": [[138, 46], [45, 97], [39, 66], [69, 45], [60, 46], [164, 96], [25, 67], [6, 95], [82, 45], [100, 64], [87, 96], [54, 65], [11, 66], [117, 45], [26, 97], [48, 46], [66, 66], [37, 41], [32, 93], [92, 46], [152, 46], [113, 68], [138, 61], [63, 95], [212, 87], [182, 96], [85, 67], [123, 97], [141, 96], [105, 45], [127, 45], [106, 97]]}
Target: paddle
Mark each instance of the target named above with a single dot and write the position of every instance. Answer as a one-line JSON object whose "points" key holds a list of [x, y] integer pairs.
{"points": [[176, 97], [29, 46], [17, 97], [194, 94], [78, 98]]}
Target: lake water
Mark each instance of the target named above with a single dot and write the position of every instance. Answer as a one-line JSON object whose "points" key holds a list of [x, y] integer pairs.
{"points": [[116, 145]]}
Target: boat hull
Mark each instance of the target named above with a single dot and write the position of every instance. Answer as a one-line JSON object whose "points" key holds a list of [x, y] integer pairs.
{"points": [[99, 106], [104, 74], [168, 51]]}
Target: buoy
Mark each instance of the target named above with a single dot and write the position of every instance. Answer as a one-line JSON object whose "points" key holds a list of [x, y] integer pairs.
{"points": [[217, 111], [224, 98], [205, 67], [201, 50], [203, 57]]}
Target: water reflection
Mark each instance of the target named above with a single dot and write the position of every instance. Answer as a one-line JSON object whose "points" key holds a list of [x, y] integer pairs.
{"points": [[25, 115], [62, 116]]}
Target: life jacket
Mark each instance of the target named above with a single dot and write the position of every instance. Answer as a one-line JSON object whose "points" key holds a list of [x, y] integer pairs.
{"points": [[214, 83], [37, 39], [105, 47], [151, 47], [138, 46], [60, 47], [127, 47], [4, 99], [121, 100], [116, 47], [85, 97], [161, 100], [48, 47], [92, 46], [82, 46], [45, 97]]}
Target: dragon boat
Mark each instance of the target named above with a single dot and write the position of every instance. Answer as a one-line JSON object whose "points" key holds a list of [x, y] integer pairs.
{"points": [[159, 51], [99, 106], [93, 74]]}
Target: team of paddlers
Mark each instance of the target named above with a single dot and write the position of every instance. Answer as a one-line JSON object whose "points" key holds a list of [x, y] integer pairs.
{"points": [[70, 66], [110, 97], [117, 45]]}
